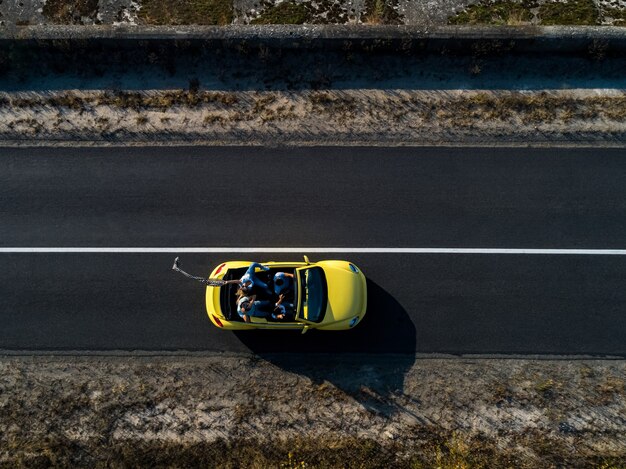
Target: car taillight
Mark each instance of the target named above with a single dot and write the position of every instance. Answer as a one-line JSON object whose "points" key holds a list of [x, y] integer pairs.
{"points": [[217, 321], [219, 269]]}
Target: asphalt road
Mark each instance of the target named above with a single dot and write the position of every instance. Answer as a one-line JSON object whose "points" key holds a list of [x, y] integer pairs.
{"points": [[317, 197]]}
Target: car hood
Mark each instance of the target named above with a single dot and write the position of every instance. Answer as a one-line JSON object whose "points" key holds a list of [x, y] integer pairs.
{"points": [[345, 294]]}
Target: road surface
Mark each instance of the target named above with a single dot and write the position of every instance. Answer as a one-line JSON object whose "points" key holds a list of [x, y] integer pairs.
{"points": [[342, 198]]}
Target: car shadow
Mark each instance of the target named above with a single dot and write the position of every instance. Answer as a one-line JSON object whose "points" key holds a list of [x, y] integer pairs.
{"points": [[368, 362]]}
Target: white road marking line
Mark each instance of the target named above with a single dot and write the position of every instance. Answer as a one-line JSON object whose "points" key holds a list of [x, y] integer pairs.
{"points": [[306, 250]]}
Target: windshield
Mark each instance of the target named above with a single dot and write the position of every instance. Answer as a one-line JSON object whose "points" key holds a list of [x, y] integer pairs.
{"points": [[313, 294]]}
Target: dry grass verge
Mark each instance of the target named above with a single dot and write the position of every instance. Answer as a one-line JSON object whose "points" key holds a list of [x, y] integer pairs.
{"points": [[304, 116], [363, 412], [541, 107]]}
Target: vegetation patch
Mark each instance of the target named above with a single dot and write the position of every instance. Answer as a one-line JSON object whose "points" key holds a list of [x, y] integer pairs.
{"points": [[340, 107], [540, 108], [507, 12], [616, 15], [70, 11], [501, 12], [572, 12], [426, 447], [165, 100], [283, 13], [175, 12], [381, 12], [445, 450]]}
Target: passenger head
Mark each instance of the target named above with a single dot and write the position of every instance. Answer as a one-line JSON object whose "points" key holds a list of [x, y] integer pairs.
{"points": [[280, 283]]}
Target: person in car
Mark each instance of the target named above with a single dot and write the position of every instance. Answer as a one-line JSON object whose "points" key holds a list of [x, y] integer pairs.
{"points": [[283, 311], [282, 282], [249, 306], [249, 280]]}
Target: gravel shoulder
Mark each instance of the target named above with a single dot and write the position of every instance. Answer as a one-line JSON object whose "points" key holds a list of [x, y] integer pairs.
{"points": [[311, 411]]}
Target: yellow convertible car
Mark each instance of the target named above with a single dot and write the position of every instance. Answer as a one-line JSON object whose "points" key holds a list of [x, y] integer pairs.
{"points": [[326, 295]]}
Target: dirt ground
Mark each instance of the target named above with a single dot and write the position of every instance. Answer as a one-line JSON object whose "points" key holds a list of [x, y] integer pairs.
{"points": [[431, 13], [311, 411]]}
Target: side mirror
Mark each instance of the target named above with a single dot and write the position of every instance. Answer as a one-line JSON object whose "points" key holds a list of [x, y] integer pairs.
{"points": [[306, 259], [305, 329]]}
